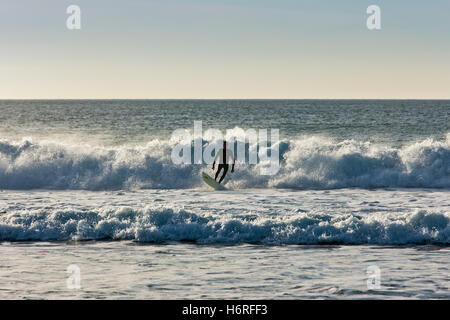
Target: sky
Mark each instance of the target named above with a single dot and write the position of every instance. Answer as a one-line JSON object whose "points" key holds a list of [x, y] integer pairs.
{"points": [[211, 49]]}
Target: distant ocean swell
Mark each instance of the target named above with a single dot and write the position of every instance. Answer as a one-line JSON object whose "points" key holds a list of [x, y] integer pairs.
{"points": [[156, 225], [305, 163]]}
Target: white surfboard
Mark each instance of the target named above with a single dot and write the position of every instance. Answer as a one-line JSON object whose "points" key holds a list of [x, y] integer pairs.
{"points": [[212, 183]]}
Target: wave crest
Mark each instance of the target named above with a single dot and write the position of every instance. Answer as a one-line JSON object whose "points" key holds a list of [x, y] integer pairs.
{"points": [[163, 224], [305, 163]]}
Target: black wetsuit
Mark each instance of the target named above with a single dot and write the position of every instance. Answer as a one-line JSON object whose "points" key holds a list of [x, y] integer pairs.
{"points": [[223, 166]]}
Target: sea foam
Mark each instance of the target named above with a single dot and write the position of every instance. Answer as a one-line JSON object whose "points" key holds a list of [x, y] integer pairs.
{"points": [[305, 163], [164, 224]]}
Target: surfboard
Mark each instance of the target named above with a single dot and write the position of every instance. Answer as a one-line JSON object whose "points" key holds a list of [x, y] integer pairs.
{"points": [[212, 183]]}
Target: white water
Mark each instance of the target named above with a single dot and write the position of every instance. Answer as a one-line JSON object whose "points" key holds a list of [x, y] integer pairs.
{"points": [[343, 216], [305, 163]]}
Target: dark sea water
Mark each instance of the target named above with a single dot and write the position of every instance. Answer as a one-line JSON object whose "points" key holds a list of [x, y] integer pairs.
{"points": [[122, 121]]}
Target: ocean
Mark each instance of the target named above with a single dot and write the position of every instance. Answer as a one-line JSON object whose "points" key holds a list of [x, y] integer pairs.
{"points": [[359, 208]]}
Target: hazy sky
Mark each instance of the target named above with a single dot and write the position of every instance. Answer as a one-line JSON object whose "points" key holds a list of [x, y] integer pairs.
{"points": [[224, 49]]}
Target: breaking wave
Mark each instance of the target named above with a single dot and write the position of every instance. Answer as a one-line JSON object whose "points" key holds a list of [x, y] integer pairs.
{"points": [[305, 163], [163, 224]]}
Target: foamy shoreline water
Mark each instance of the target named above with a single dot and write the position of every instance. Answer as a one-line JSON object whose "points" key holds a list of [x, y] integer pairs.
{"points": [[126, 270]]}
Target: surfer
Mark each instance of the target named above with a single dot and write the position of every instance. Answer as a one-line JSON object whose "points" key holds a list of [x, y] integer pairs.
{"points": [[224, 155]]}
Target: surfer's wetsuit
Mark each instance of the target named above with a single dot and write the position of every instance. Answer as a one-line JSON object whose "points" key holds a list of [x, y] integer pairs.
{"points": [[225, 170], [223, 155]]}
